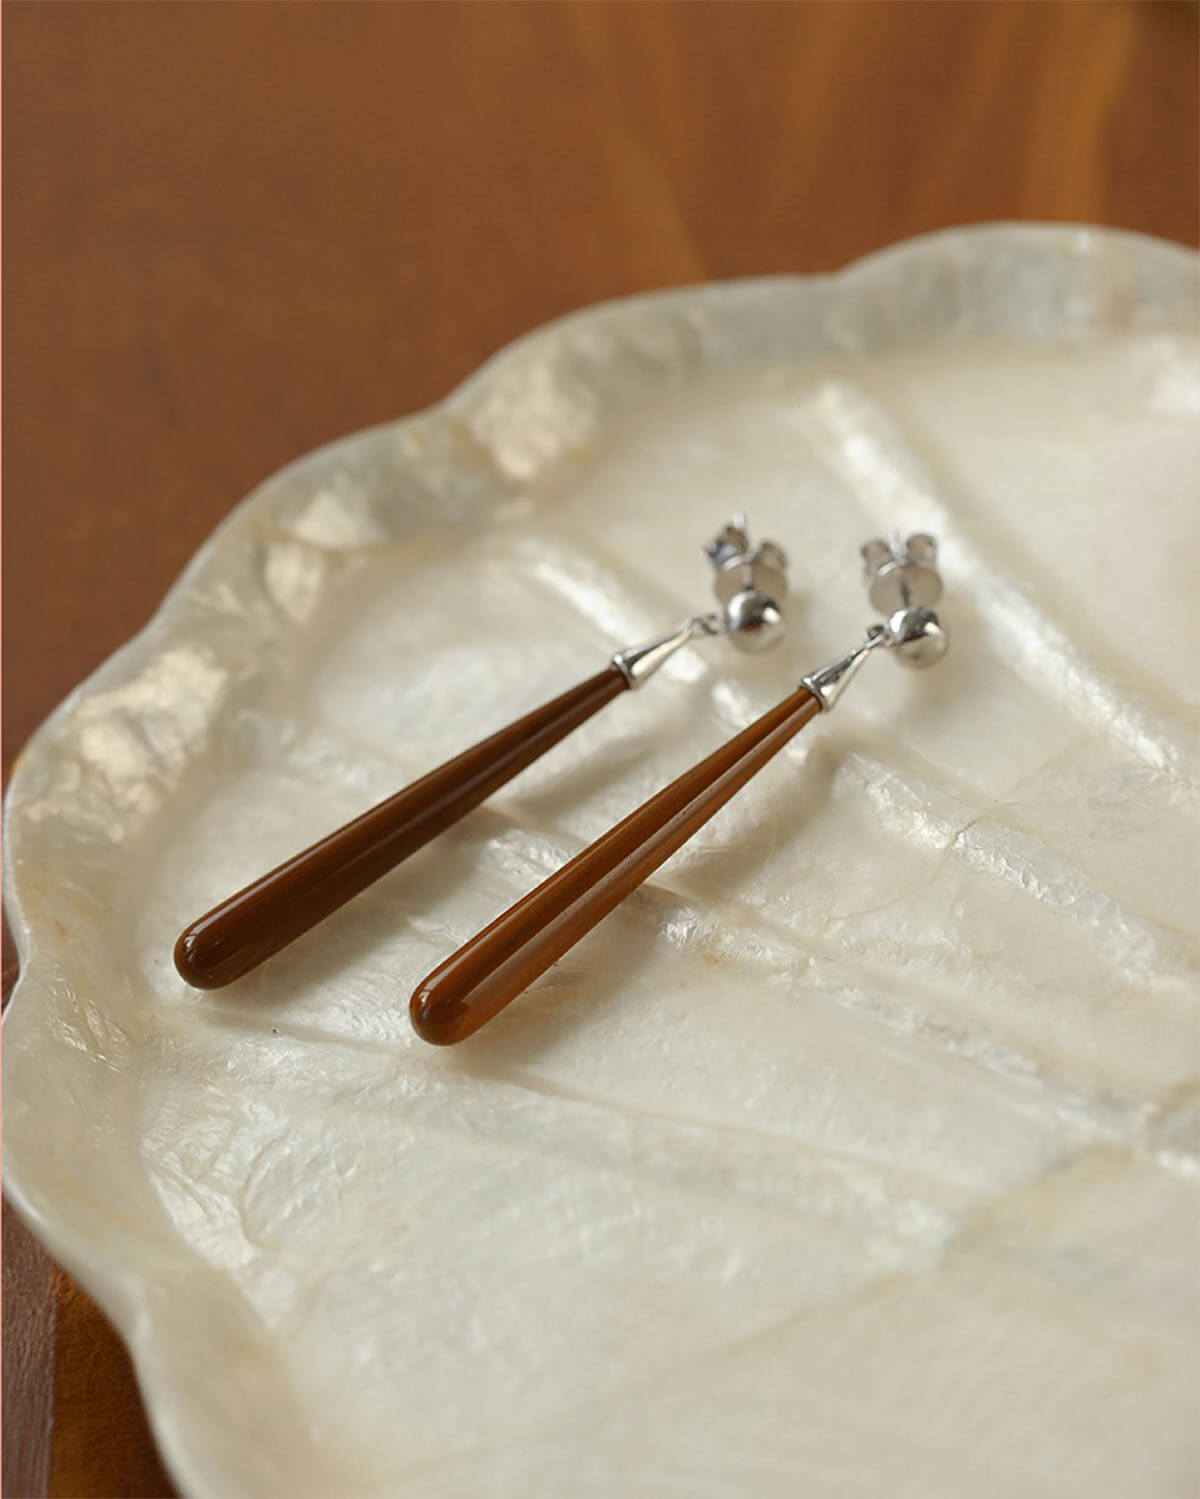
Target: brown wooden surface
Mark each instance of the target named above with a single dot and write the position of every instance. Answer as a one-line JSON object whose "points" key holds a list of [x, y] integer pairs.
{"points": [[236, 231]]}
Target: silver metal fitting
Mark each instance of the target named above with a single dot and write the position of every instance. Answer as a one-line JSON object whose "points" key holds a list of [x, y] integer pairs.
{"points": [[902, 573], [750, 585], [903, 582], [637, 663]]}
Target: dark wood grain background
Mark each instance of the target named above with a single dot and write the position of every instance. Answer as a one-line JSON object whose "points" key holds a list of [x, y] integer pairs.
{"points": [[235, 231]]}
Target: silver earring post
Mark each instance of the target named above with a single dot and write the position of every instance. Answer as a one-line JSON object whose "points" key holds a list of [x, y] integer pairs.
{"points": [[903, 583], [750, 584]]}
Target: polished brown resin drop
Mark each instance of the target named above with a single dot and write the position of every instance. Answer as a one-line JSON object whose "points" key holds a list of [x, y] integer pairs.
{"points": [[257, 922], [490, 970]]}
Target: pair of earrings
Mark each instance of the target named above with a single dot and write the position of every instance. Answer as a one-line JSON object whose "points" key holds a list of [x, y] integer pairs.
{"points": [[501, 961]]}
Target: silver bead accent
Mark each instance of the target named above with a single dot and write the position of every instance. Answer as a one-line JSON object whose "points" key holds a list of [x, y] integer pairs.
{"points": [[753, 622], [917, 637], [750, 584]]}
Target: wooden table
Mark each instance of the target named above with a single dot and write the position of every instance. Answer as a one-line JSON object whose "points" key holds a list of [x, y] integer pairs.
{"points": [[237, 231]]}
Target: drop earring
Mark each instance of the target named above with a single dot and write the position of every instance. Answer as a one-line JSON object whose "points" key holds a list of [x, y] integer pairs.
{"points": [[258, 921], [490, 970]]}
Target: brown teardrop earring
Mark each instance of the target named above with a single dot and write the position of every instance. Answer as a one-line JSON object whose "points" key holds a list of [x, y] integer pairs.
{"points": [[490, 970], [258, 921]]}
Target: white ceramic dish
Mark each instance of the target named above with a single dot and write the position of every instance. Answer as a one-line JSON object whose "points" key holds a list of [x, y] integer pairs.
{"points": [[856, 1155]]}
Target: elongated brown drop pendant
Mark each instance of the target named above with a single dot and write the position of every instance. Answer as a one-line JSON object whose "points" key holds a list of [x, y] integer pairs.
{"points": [[484, 975], [253, 925], [490, 970], [257, 922]]}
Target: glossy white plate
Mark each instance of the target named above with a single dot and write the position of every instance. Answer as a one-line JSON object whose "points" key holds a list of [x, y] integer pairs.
{"points": [[856, 1155]]}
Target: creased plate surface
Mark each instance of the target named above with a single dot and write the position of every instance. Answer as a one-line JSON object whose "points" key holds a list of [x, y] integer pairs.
{"points": [[857, 1155]]}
